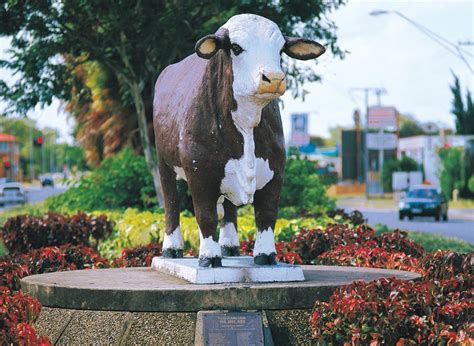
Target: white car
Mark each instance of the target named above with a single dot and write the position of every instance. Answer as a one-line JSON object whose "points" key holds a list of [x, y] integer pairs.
{"points": [[11, 193]]}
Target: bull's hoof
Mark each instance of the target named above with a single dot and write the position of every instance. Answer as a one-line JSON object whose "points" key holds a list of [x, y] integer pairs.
{"points": [[264, 259], [210, 262], [229, 251], [173, 253]]}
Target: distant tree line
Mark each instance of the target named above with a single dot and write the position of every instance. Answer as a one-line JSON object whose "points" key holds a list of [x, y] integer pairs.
{"points": [[52, 156]]}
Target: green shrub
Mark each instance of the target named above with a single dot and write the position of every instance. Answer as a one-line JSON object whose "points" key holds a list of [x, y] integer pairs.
{"points": [[302, 188], [407, 164], [120, 182], [470, 183], [452, 170], [135, 228]]}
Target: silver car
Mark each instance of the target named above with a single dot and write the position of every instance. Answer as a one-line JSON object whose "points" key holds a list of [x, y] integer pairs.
{"points": [[11, 193]]}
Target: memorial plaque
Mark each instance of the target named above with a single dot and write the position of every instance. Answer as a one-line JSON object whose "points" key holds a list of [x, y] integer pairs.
{"points": [[232, 328]]}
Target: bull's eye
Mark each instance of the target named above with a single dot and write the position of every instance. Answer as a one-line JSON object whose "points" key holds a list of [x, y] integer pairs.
{"points": [[236, 48]]}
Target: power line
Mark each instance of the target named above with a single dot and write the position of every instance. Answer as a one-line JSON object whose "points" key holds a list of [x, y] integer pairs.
{"points": [[453, 48]]}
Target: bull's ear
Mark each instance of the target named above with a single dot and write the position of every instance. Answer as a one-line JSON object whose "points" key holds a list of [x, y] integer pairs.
{"points": [[207, 46], [302, 48]]}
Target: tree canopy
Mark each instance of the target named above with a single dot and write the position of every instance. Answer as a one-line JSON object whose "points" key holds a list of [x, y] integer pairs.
{"points": [[409, 127], [463, 111], [134, 40]]}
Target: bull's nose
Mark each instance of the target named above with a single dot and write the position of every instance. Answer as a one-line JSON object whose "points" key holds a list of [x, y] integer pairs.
{"points": [[272, 82], [272, 77]]}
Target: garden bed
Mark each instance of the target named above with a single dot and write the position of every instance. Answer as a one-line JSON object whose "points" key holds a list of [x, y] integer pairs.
{"points": [[435, 309]]}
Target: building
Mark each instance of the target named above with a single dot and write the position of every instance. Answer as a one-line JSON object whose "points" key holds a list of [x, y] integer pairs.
{"points": [[424, 150], [9, 156]]}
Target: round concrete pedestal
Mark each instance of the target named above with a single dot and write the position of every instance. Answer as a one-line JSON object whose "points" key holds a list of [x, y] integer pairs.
{"points": [[143, 306]]}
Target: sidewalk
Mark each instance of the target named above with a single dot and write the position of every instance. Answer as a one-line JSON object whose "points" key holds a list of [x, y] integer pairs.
{"points": [[466, 214], [362, 202]]}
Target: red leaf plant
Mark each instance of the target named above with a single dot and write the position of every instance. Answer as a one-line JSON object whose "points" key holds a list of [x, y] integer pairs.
{"points": [[25, 232], [391, 311], [17, 312], [138, 257]]}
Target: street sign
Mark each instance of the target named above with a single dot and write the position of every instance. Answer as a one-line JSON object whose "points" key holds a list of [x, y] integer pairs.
{"points": [[381, 141], [379, 117], [299, 129]]}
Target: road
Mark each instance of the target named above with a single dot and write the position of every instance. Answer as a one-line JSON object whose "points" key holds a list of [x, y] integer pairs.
{"points": [[459, 225], [37, 194]]}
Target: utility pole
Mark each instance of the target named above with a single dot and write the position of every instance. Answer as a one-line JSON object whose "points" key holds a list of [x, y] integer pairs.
{"points": [[51, 153], [43, 156], [356, 117], [31, 151], [378, 92]]}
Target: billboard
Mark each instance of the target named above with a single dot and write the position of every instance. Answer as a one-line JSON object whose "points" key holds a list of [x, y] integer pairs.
{"points": [[381, 117], [299, 129]]}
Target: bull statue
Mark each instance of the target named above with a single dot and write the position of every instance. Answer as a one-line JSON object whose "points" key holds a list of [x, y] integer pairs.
{"points": [[217, 125]]}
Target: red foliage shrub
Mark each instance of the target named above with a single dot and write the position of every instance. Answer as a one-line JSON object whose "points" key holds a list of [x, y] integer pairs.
{"points": [[25, 334], [346, 235], [246, 246], [397, 241], [138, 257], [444, 264], [25, 232], [375, 257], [17, 311], [390, 311], [46, 260], [285, 253], [11, 273], [66, 257], [338, 242], [311, 243]]}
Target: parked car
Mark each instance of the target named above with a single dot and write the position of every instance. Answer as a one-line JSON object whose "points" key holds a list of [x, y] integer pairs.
{"points": [[11, 193], [47, 181], [424, 200], [4, 180]]}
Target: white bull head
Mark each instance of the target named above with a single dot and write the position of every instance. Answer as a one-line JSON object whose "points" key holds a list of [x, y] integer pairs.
{"points": [[256, 45]]}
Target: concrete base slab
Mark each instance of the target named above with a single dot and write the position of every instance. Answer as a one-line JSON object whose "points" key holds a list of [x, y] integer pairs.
{"points": [[234, 269], [145, 289]]}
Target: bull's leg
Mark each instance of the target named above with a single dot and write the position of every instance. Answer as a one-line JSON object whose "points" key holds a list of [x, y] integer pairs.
{"points": [[228, 238], [173, 242], [266, 210], [206, 215]]}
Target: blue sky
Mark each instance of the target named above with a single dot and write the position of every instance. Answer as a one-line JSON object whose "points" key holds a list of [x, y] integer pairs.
{"points": [[384, 51]]}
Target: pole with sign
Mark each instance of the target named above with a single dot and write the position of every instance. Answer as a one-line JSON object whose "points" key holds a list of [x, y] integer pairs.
{"points": [[382, 118], [299, 129]]}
